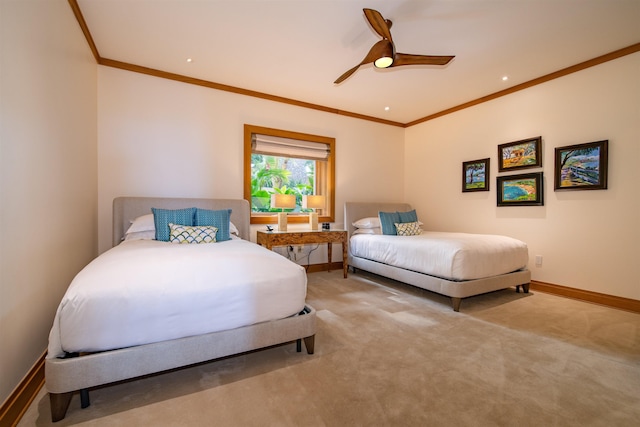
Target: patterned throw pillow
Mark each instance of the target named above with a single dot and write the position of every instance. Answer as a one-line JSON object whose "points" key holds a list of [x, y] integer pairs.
{"points": [[410, 216], [187, 234], [408, 228], [387, 221], [218, 218], [162, 218]]}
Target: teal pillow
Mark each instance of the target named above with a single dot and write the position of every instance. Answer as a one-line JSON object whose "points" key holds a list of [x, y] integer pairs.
{"points": [[387, 222], [162, 218], [410, 216], [219, 219]]}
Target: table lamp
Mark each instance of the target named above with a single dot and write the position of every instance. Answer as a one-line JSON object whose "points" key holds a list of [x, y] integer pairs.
{"points": [[283, 201], [313, 202]]}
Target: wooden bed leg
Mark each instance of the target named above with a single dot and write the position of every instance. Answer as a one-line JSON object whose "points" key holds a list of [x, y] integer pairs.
{"points": [[455, 303], [59, 404], [299, 345], [309, 342], [526, 288], [84, 398]]}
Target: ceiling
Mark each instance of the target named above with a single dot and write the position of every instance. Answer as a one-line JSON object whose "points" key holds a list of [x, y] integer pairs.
{"points": [[296, 49]]}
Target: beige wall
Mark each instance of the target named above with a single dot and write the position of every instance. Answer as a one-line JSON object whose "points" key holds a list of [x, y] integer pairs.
{"points": [[48, 186], [163, 138], [588, 239]]}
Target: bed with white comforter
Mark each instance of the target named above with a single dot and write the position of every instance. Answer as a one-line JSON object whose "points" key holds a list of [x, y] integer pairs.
{"points": [[148, 306], [146, 291], [458, 265], [453, 256]]}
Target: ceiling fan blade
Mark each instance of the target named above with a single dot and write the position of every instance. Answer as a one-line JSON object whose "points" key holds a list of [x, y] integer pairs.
{"points": [[408, 59], [374, 53], [378, 23], [346, 75]]}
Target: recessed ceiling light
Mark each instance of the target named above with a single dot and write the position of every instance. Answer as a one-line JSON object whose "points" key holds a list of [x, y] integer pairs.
{"points": [[189, 60], [505, 78], [386, 108]]}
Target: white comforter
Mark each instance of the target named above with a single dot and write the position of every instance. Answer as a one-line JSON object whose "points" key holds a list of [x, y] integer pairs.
{"points": [[453, 256], [146, 291]]}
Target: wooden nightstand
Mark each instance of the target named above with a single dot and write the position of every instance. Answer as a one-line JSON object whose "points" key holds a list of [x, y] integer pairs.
{"points": [[269, 239]]}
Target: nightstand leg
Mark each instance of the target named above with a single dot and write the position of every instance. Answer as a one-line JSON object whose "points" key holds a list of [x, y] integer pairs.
{"points": [[329, 248], [345, 261]]}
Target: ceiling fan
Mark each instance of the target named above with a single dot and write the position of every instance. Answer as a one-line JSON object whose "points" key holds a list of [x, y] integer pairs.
{"points": [[383, 54]]}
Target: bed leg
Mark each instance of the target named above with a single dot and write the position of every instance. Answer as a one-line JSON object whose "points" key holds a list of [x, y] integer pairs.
{"points": [[455, 303], [299, 345], [309, 342], [526, 288], [59, 404], [84, 398]]}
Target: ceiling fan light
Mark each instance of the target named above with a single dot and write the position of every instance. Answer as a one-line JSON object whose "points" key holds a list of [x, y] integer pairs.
{"points": [[383, 62]]}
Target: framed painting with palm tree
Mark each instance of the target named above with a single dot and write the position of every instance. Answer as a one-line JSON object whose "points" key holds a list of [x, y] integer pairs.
{"points": [[581, 166], [475, 175]]}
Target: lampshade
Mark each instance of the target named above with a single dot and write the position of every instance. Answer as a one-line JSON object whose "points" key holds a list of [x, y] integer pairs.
{"points": [[283, 201], [313, 202]]}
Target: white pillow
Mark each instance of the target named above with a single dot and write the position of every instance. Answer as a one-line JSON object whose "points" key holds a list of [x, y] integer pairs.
{"points": [[375, 230], [142, 223], [141, 235], [233, 229], [370, 222]]}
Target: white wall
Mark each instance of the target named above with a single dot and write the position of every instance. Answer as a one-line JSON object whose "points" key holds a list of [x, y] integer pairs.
{"points": [[588, 239], [163, 138], [48, 182]]}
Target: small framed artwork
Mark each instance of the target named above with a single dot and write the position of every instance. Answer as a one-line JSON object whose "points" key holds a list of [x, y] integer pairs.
{"points": [[526, 153], [475, 175], [521, 190], [582, 166]]}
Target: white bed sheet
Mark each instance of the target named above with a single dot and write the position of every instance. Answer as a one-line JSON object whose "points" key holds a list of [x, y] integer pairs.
{"points": [[452, 256], [146, 291]]}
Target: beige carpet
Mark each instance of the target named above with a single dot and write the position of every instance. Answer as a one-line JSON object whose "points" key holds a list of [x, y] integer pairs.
{"points": [[391, 355]]}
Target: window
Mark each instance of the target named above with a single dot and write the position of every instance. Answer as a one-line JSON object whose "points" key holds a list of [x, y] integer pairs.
{"points": [[283, 162]]}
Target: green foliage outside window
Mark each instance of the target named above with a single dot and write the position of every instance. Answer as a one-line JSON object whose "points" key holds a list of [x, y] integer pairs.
{"points": [[280, 175]]}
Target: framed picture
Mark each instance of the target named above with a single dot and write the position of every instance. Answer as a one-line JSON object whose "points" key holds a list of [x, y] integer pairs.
{"points": [[475, 175], [521, 190], [526, 153], [582, 166]]}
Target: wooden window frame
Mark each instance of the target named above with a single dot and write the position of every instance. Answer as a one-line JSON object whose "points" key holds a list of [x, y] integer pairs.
{"points": [[325, 176]]}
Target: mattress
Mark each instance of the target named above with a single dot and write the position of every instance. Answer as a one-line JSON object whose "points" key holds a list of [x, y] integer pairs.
{"points": [[146, 291], [452, 256]]}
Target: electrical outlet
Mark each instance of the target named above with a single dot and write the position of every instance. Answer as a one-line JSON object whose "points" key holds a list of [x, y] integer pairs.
{"points": [[299, 248], [539, 260]]}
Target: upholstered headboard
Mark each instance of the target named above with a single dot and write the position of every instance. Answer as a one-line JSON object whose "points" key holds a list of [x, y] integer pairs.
{"points": [[126, 209], [354, 211]]}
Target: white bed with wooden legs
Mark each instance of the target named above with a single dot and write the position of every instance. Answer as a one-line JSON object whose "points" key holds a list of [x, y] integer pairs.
{"points": [[165, 305], [473, 265]]}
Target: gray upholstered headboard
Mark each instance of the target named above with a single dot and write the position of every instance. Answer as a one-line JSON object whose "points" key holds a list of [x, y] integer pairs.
{"points": [[126, 209], [354, 211]]}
